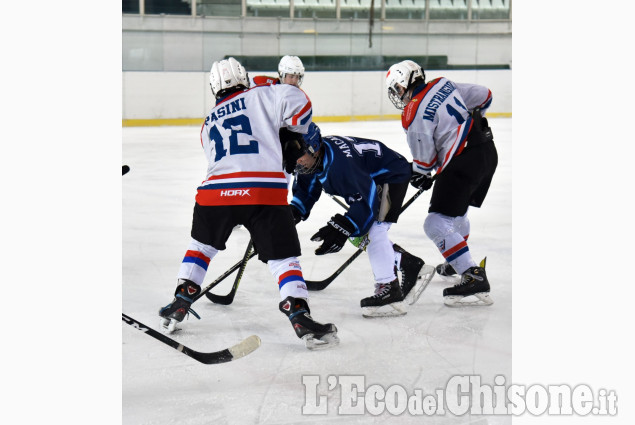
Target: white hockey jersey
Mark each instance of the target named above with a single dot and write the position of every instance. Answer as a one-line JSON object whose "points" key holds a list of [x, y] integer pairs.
{"points": [[241, 140], [437, 121]]}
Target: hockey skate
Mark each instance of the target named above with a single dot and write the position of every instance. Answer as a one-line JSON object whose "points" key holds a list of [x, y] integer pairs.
{"points": [[176, 311], [387, 301], [473, 290], [415, 275], [447, 273], [316, 336]]}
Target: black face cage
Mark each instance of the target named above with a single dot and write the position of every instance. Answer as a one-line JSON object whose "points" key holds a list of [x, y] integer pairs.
{"points": [[317, 165]]}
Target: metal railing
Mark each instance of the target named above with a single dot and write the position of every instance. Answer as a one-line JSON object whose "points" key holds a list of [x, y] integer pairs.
{"points": [[338, 9]]}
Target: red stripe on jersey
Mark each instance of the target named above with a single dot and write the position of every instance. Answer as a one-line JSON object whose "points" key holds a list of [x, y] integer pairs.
{"points": [[249, 196], [425, 164], [297, 116], [454, 249], [268, 174], [202, 128], [231, 96], [410, 111], [197, 254], [489, 97], [464, 142]]}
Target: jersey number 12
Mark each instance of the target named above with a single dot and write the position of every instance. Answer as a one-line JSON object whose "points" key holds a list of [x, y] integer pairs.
{"points": [[237, 124]]}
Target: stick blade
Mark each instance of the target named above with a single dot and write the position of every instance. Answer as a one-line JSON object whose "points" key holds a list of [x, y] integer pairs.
{"points": [[220, 299]]}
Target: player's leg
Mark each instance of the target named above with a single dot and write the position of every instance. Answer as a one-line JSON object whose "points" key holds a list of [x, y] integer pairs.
{"points": [[276, 240], [199, 254]]}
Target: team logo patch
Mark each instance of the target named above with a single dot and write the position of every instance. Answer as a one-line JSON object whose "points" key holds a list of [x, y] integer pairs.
{"points": [[441, 245]]}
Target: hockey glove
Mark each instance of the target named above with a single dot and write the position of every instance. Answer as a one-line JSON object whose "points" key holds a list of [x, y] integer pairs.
{"points": [[297, 215], [421, 181], [334, 235]]}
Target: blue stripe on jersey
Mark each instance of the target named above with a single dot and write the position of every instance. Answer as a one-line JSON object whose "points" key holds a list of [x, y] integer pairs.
{"points": [[457, 254], [307, 118], [299, 205], [239, 185], [379, 173], [199, 262]]}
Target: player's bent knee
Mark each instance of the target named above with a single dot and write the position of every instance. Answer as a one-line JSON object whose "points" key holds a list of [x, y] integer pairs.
{"points": [[436, 226]]}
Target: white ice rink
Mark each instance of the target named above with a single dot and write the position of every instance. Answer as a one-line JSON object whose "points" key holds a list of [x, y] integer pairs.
{"points": [[419, 351]]}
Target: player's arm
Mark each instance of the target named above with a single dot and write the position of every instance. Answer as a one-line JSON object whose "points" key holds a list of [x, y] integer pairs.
{"points": [[297, 111], [306, 192], [475, 96]]}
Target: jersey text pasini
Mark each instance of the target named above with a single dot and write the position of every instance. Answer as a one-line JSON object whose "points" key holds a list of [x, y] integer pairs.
{"points": [[229, 108]]}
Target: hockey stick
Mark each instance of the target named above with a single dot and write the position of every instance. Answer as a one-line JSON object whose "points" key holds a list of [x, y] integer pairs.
{"points": [[318, 285], [223, 276], [237, 351], [229, 298]]}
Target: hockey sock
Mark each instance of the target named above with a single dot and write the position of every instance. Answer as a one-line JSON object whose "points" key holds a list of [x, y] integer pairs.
{"points": [[452, 245], [288, 273], [381, 253], [196, 261]]}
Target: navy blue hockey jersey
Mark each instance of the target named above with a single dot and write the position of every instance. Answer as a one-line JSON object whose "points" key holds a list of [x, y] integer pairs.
{"points": [[353, 168]]}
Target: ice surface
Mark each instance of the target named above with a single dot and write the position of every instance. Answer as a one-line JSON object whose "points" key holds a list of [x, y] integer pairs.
{"points": [[421, 350]]}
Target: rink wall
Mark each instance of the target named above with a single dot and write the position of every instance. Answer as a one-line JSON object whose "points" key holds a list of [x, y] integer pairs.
{"points": [[183, 98]]}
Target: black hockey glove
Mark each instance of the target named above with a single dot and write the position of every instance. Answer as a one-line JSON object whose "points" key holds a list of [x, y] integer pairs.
{"points": [[421, 181], [293, 147], [297, 215], [334, 235]]}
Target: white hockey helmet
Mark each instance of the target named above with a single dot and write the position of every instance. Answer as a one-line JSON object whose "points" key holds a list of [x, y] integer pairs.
{"points": [[291, 65], [226, 75], [399, 80]]}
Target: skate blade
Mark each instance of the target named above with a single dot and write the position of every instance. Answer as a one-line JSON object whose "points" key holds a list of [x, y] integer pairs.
{"points": [[169, 325], [388, 310], [326, 341], [475, 300], [425, 276]]}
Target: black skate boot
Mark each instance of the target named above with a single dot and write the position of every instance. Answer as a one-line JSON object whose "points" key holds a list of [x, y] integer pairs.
{"points": [[473, 284], [446, 269], [387, 301], [176, 311], [447, 273], [415, 275], [315, 335]]}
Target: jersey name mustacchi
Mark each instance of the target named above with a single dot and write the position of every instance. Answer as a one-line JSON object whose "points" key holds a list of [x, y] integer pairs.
{"points": [[240, 138], [437, 121]]}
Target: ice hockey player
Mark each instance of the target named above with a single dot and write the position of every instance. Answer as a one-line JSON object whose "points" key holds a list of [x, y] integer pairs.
{"points": [[373, 180], [447, 132], [290, 71], [245, 185]]}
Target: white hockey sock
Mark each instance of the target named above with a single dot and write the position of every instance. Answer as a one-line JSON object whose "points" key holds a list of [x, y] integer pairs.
{"points": [[196, 261], [381, 253], [451, 243], [288, 273]]}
